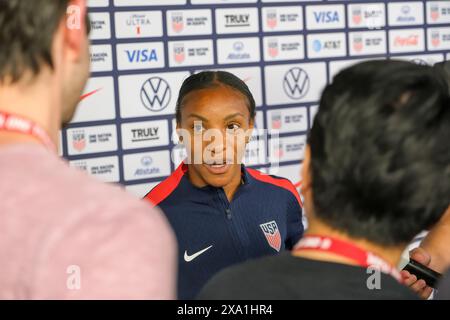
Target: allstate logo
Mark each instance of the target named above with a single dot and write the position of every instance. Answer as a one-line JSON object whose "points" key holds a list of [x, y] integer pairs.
{"points": [[147, 169], [406, 9], [155, 94], [296, 83], [146, 161], [238, 46]]}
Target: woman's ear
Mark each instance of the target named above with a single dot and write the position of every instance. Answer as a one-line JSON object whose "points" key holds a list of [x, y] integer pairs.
{"points": [[179, 132], [252, 123], [249, 132]]}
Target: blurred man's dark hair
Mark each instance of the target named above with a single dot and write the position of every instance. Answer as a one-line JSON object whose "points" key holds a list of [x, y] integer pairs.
{"points": [[28, 27], [48, 212], [443, 70], [380, 151]]}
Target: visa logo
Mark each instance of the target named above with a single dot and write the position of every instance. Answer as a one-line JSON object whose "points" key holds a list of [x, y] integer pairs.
{"points": [[136, 56], [326, 16]]}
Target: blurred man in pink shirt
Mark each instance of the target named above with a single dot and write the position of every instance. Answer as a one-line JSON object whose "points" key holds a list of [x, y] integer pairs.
{"points": [[63, 235]]}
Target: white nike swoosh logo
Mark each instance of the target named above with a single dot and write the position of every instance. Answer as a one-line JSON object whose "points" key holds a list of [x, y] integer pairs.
{"points": [[189, 258]]}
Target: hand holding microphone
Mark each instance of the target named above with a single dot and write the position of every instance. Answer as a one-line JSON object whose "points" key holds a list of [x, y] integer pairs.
{"points": [[416, 273]]}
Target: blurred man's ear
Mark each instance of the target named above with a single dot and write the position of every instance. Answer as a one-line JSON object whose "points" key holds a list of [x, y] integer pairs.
{"points": [[76, 30], [306, 188], [305, 174], [72, 50]]}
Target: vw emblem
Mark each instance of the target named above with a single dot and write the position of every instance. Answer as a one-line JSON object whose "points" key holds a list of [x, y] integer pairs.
{"points": [[296, 83], [156, 94]]}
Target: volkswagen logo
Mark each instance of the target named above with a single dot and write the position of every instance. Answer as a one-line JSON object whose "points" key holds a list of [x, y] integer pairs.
{"points": [[156, 94], [296, 83]]}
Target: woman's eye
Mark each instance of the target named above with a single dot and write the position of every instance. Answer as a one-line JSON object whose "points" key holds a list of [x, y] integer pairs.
{"points": [[198, 128], [233, 127]]}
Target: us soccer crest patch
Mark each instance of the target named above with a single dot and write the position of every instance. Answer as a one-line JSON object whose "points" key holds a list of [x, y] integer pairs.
{"points": [[272, 233]]}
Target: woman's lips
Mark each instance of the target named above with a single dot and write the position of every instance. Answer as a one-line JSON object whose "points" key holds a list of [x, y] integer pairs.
{"points": [[217, 168]]}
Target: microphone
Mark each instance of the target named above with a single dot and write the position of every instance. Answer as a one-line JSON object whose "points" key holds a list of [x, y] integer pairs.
{"points": [[430, 276]]}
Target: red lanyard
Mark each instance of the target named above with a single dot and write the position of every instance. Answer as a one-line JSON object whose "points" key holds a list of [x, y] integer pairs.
{"points": [[344, 249], [18, 124]]}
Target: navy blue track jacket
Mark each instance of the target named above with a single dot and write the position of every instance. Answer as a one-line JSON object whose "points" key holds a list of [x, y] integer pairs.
{"points": [[264, 218]]}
